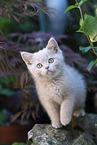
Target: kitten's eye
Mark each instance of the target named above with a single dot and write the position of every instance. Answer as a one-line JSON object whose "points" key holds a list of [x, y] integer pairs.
{"points": [[51, 60], [39, 65]]}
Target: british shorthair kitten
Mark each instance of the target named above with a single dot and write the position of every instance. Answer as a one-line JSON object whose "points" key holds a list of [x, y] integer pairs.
{"points": [[61, 88]]}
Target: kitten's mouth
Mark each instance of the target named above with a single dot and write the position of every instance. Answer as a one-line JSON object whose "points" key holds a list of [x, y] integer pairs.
{"points": [[48, 71]]}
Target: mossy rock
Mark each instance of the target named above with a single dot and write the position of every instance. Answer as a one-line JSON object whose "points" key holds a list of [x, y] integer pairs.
{"points": [[81, 131]]}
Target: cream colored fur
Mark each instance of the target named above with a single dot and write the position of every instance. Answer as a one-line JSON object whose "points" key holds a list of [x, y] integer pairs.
{"points": [[61, 88]]}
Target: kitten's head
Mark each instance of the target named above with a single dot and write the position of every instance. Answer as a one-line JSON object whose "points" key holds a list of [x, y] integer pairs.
{"points": [[47, 63]]}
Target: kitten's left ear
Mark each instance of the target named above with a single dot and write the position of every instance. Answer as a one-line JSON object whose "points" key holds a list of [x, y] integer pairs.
{"points": [[27, 57], [52, 44]]}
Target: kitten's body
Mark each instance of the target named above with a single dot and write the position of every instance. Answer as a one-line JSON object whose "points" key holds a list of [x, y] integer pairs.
{"points": [[61, 88]]}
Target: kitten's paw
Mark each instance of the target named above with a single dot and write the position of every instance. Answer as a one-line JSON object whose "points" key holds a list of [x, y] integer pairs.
{"points": [[65, 121], [79, 112], [56, 125]]}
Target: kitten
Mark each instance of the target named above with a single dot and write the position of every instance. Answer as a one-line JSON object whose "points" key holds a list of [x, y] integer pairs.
{"points": [[61, 88]]}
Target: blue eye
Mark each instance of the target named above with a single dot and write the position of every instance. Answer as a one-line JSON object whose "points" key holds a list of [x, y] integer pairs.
{"points": [[39, 65], [51, 60]]}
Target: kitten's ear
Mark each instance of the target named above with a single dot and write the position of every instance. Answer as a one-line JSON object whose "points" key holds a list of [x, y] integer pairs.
{"points": [[52, 44], [27, 57]]}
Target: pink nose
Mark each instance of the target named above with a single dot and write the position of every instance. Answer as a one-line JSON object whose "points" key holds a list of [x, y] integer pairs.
{"points": [[47, 67]]}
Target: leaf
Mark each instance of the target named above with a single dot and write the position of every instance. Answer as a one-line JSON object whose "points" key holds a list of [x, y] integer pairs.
{"points": [[17, 143], [95, 48], [25, 8], [9, 16], [91, 64], [33, 115], [7, 92], [81, 31], [75, 6], [17, 115], [81, 22], [3, 117], [89, 26], [85, 49], [17, 20], [32, 5], [70, 8], [1, 47], [22, 79], [81, 2], [95, 125]]}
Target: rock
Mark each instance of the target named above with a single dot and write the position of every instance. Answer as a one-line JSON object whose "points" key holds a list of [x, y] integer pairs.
{"points": [[81, 131], [86, 124], [84, 139]]}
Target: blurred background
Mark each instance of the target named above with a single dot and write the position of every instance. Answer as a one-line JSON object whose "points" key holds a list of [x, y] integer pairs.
{"points": [[26, 25]]}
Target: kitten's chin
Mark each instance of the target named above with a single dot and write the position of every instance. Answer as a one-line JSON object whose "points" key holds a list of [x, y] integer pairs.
{"points": [[48, 72]]}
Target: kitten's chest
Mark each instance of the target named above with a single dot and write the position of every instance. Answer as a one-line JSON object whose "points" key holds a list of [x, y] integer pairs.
{"points": [[51, 91]]}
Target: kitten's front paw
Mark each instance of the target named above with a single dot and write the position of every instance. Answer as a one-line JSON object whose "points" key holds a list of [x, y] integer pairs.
{"points": [[56, 125], [65, 121]]}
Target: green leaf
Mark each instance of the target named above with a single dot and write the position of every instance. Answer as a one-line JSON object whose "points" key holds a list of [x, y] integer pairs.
{"points": [[6, 92], [81, 22], [81, 31], [3, 117], [84, 1], [81, 2], [85, 49], [17, 143], [75, 6], [95, 48], [89, 26], [95, 125], [70, 8], [91, 64]]}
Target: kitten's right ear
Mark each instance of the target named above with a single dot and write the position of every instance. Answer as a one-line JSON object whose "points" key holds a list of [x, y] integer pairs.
{"points": [[27, 57], [52, 44]]}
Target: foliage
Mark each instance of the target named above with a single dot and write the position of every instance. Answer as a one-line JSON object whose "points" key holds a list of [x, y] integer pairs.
{"points": [[4, 117], [5, 88], [16, 15], [12, 71], [17, 143], [17, 9], [88, 26], [29, 107]]}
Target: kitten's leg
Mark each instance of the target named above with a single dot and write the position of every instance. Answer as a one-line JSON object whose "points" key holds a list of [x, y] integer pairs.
{"points": [[53, 111], [79, 112], [66, 111]]}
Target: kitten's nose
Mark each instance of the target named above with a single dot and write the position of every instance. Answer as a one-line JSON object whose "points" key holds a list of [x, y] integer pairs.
{"points": [[47, 67]]}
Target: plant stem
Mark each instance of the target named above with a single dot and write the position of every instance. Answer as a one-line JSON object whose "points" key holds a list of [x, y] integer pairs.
{"points": [[76, 1], [93, 49], [81, 13], [92, 46]]}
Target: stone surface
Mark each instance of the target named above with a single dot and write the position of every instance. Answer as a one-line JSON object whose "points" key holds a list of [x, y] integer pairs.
{"points": [[84, 139], [81, 131]]}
